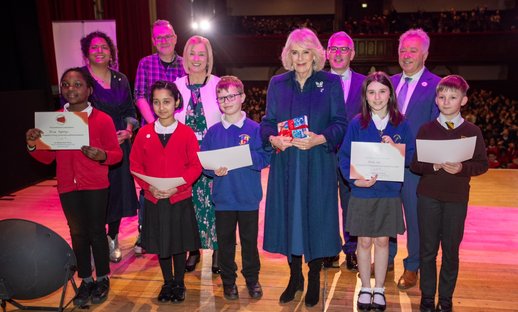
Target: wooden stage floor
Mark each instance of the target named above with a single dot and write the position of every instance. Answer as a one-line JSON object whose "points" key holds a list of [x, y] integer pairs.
{"points": [[488, 279]]}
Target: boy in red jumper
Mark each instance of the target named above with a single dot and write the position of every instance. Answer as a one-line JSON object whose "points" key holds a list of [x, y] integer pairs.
{"points": [[443, 194]]}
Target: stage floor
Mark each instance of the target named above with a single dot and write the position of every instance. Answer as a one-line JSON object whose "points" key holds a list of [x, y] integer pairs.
{"points": [[488, 278]]}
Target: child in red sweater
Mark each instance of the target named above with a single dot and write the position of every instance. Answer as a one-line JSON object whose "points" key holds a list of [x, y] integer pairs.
{"points": [[83, 184], [168, 149], [443, 193]]}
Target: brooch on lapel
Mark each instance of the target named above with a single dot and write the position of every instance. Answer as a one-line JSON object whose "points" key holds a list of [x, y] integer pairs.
{"points": [[320, 84], [424, 83]]}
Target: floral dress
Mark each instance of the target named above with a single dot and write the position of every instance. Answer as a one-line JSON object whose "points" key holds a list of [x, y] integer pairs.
{"points": [[202, 188]]}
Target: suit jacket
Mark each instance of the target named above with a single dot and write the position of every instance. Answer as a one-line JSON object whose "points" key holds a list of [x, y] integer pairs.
{"points": [[421, 106], [353, 104]]}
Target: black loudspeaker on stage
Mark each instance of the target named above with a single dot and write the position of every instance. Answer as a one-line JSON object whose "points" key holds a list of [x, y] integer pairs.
{"points": [[34, 262]]}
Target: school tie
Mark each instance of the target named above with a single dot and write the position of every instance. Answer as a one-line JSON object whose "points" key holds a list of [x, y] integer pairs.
{"points": [[450, 125], [401, 97]]}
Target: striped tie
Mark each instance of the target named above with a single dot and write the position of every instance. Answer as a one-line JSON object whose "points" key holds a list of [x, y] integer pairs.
{"points": [[401, 97], [450, 125]]}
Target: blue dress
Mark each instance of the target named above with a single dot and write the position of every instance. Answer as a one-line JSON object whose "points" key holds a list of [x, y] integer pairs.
{"points": [[301, 215]]}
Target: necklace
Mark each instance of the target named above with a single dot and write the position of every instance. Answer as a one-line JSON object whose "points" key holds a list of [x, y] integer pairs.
{"points": [[102, 81]]}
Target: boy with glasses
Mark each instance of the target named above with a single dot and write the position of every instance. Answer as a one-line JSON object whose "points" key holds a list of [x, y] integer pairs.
{"points": [[237, 193]]}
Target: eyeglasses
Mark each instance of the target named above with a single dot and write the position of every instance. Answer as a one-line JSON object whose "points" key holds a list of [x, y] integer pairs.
{"points": [[164, 38], [228, 98], [343, 50]]}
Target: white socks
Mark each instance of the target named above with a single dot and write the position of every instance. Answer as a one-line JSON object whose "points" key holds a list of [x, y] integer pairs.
{"points": [[365, 298], [379, 299]]}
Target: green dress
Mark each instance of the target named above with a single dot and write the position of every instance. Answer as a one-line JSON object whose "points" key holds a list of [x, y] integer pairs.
{"points": [[202, 188]]}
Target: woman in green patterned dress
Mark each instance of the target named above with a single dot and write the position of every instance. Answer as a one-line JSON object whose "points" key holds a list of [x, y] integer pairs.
{"points": [[198, 89]]}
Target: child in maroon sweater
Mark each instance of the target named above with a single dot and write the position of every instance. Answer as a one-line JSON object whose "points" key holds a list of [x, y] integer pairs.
{"points": [[443, 194]]}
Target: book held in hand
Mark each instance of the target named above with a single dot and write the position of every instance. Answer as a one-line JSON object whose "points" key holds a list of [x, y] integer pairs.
{"points": [[294, 128]]}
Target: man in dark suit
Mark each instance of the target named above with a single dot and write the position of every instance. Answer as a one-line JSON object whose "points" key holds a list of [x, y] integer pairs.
{"points": [[415, 89], [340, 53]]}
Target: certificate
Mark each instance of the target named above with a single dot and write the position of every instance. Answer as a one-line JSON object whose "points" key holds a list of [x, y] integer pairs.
{"points": [[161, 184], [62, 130], [441, 151], [386, 160], [231, 158]]}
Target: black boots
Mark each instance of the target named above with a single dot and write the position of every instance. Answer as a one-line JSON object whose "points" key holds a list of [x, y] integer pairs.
{"points": [[313, 293], [296, 280]]}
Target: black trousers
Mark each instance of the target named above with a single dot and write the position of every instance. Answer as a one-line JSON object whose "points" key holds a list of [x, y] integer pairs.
{"points": [[86, 216], [440, 223], [226, 222]]}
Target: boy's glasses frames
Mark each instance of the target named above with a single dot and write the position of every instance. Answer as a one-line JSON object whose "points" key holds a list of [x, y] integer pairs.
{"points": [[228, 98]]}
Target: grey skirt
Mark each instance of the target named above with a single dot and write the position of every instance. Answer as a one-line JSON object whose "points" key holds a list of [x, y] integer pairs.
{"points": [[375, 217]]}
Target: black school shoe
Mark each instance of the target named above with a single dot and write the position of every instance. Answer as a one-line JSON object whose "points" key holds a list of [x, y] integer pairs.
{"points": [[166, 292], [84, 292], [178, 294], [101, 290], [230, 292], [255, 290]]}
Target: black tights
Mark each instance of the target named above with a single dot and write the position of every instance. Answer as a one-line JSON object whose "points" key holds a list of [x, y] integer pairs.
{"points": [[179, 268], [113, 228]]}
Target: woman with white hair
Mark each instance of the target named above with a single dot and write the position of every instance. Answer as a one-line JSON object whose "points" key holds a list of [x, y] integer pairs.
{"points": [[301, 216]]}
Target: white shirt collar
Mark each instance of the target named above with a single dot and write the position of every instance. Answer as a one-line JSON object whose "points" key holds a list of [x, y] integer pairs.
{"points": [[381, 124], [165, 130], [415, 77], [88, 109], [345, 76], [238, 124], [457, 120]]}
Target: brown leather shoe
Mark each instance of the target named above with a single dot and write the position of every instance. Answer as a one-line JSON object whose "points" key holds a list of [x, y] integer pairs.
{"points": [[407, 280]]}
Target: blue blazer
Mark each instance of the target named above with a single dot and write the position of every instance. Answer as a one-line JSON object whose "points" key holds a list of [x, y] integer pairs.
{"points": [[421, 106], [353, 104]]}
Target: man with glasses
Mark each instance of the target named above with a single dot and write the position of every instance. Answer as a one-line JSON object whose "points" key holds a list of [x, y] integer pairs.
{"points": [[340, 53], [163, 65]]}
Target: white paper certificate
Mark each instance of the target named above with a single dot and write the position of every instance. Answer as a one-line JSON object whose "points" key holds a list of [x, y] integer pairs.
{"points": [[231, 157], [161, 184], [441, 151], [62, 130], [385, 160]]}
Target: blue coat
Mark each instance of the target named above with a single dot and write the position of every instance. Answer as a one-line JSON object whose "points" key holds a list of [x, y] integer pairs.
{"points": [[314, 171]]}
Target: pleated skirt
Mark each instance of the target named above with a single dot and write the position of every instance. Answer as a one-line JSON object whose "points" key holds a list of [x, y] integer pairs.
{"points": [[375, 217], [169, 229]]}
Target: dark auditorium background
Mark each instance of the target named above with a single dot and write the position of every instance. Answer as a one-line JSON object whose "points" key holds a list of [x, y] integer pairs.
{"points": [[476, 39]]}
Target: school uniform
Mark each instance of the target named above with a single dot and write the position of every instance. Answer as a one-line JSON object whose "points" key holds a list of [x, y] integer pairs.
{"points": [[236, 198], [442, 206]]}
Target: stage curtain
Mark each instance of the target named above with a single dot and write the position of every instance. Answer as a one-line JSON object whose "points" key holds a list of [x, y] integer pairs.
{"points": [[59, 10], [133, 32]]}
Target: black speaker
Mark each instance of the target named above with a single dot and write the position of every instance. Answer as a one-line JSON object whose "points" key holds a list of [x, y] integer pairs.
{"points": [[34, 262]]}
